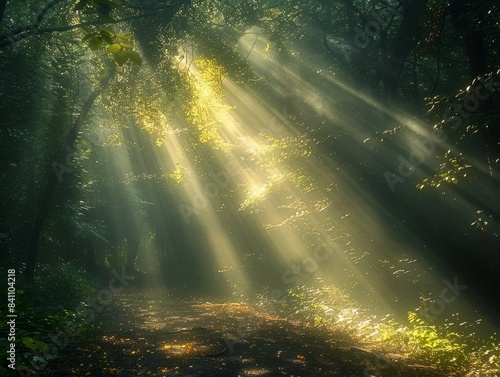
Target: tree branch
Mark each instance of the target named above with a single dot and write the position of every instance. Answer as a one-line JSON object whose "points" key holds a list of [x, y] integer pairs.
{"points": [[48, 30], [29, 30]]}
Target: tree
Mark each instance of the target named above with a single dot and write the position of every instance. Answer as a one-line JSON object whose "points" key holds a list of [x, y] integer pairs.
{"points": [[60, 167], [407, 36], [467, 17], [3, 3]]}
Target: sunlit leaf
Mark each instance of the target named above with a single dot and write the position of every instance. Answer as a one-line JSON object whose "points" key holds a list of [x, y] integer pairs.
{"points": [[35, 344], [107, 36], [114, 48], [127, 45]]}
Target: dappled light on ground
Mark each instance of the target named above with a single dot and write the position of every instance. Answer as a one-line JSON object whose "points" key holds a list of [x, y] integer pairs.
{"points": [[191, 337]]}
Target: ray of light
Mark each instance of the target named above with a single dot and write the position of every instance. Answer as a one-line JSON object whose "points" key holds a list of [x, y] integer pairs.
{"points": [[317, 218]]}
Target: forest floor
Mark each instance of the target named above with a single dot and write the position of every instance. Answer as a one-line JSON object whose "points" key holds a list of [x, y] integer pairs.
{"points": [[154, 333]]}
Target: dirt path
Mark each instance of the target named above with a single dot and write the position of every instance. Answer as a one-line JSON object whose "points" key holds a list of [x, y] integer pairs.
{"points": [[152, 333]]}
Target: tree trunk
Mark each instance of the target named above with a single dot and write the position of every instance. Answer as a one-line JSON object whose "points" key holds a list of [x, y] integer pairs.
{"points": [[55, 177], [90, 255], [392, 70], [133, 242], [472, 38], [3, 3], [465, 17]]}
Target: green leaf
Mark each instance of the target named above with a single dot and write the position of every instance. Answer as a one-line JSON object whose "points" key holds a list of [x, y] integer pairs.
{"points": [[134, 57], [127, 37], [107, 36], [114, 48], [96, 43], [106, 3], [81, 5], [35, 344], [88, 36], [120, 57], [127, 45], [107, 19]]}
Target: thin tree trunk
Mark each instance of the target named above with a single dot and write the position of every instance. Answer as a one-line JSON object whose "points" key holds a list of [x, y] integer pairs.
{"points": [[133, 242], [465, 17], [55, 178], [472, 38], [408, 32], [90, 255], [3, 3]]}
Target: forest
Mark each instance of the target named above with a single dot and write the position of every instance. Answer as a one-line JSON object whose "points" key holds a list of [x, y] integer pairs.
{"points": [[250, 188]]}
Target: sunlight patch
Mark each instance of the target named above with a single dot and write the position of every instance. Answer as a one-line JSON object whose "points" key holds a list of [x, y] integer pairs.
{"points": [[255, 372]]}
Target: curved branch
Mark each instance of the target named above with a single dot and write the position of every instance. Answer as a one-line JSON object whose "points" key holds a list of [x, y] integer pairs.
{"points": [[27, 31], [45, 10], [10, 40]]}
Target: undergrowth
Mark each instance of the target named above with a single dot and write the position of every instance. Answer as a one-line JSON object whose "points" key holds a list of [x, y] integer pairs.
{"points": [[44, 311], [416, 340]]}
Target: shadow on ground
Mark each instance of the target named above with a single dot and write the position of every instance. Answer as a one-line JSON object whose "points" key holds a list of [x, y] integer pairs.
{"points": [[153, 333]]}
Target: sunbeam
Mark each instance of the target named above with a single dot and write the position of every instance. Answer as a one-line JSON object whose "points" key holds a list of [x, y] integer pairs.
{"points": [[250, 188]]}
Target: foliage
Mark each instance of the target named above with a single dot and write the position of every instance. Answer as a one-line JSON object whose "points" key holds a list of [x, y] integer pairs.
{"points": [[120, 45], [452, 170], [63, 283], [464, 117], [424, 342], [206, 110], [47, 308], [418, 340]]}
